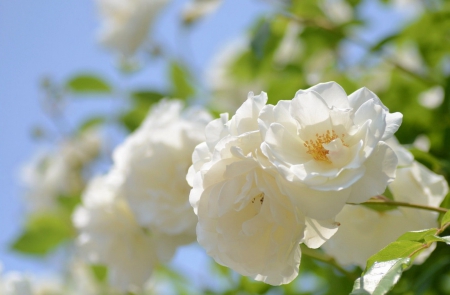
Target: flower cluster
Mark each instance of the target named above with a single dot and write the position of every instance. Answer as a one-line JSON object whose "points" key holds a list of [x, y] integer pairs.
{"points": [[272, 177], [135, 217]]}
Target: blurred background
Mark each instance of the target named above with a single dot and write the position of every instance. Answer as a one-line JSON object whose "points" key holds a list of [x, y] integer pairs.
{"points": [[57, 81]]}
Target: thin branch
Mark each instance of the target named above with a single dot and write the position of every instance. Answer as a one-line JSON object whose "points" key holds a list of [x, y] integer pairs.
{"points": [[314, 254], [383, 201]]}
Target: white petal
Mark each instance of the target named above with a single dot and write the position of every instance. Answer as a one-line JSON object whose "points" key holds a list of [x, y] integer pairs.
{"points": [[313, 203], [393, 122], [319, 231], [380, 171], [332, 93], [308, 108]]}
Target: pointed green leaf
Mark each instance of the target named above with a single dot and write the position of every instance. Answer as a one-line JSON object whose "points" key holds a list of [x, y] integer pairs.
{"points": [[380, 277], [438, 239], [87, 83], [43, 233], [182, 88], [397, 249], [445, 218], [418, 236]]}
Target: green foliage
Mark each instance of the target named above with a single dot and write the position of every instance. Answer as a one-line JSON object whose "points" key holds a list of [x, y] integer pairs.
{"points": [[91, 123], [69, 203], [87, 84], [182, 87], [100, 272], [43, 233], [141, 101], [445, 219], [397, 249], [380, 277]]}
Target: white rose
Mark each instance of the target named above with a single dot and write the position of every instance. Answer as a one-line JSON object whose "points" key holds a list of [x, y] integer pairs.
{"points": [[244, 221], [364, 231], [126, 23], [155, 160], [329, 148], [110, 235], [59, 173]]}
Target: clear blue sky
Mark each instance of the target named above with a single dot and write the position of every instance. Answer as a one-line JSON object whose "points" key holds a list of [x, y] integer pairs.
{"points": [[57, 38]]}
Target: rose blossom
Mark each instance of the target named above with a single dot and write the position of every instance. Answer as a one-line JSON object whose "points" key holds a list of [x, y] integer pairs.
{"points": [[155, 160], [126, 23], [329, 147], [110, 235], [244, 221], [364, 231]]}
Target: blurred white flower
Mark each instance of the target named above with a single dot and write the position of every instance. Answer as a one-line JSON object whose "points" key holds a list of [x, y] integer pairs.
{"points": [[408, 56], [329, 148], [422, 142], [16, 283], [339, 11], [244, 221], [290, 46], [316, 66], [110, 235], [126, 23], [155, 160], [59, 173], [196, 9], [228, 92], [364, 231], [432, 98]]}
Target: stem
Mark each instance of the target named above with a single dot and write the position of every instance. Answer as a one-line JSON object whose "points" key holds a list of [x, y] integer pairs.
{"points": [[327, 259], [381, 200]]}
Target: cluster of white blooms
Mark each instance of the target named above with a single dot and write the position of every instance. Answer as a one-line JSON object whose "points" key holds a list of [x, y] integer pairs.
{"points": [[126, 23], [276, 176], [77, 280], [15, 283], [364, 231], [59, 173], [136, 216]]}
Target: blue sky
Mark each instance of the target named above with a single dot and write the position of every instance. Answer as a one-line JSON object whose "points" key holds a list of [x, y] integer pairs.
{"points": [[58, 39]]}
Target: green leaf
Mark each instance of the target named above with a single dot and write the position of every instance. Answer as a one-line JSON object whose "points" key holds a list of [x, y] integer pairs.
{"points": [[380, 277], [383, 41], [133, 118], [91, 122], [446, 239], [146, 97], [43, 233], [396, 249], [434, 238], [182, 87], [418, 236], [100, 272], [260, 39], [69, 203], [446, 218], [87, 83]]}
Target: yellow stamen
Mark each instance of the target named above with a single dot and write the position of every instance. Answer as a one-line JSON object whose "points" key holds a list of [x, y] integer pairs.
{"points": [[316, 149]]}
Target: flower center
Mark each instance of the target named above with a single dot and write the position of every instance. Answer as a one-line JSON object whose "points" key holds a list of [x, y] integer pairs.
{"points": [[316, 149], [260, 197]]}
